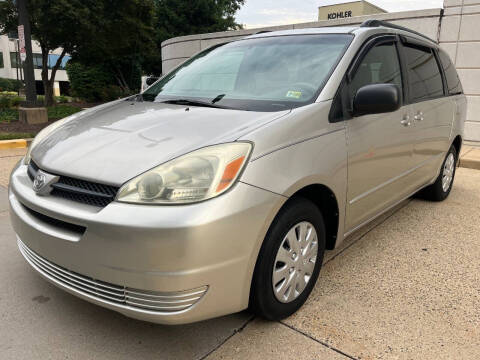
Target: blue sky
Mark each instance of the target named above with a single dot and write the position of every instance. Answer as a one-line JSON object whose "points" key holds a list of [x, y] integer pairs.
{"points": [[258, 13]]}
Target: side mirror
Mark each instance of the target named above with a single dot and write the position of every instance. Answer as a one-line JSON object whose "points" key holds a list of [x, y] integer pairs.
{"points": [[376, 99]]}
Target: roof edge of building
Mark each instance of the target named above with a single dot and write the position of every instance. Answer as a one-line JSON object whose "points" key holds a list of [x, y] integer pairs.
{"points": [[340, 2]]}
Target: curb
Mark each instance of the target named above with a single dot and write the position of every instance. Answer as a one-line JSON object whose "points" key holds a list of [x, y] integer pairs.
{"points": [[13, 144], [469, 163], [470, 157]]}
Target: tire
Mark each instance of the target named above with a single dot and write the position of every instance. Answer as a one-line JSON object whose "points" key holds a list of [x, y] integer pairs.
{"points": [[437, 191], [292, 221]]}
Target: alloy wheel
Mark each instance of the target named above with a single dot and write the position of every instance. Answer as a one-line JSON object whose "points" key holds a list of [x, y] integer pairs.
{"points": [[448, 170]]}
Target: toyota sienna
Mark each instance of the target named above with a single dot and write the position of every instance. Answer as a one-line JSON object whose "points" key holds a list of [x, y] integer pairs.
{"points": [[220, 187]]}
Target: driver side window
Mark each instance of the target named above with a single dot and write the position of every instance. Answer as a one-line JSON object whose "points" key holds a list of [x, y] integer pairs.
{"points": [[379, 66]]}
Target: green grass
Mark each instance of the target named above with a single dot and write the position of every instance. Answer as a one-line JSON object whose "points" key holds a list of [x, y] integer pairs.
{"points": [[13, 136], [8, 115], [61, 111]]}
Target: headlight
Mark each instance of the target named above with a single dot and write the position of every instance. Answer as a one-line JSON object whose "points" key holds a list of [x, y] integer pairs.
{"points": [[197, 176], [42, 135]]}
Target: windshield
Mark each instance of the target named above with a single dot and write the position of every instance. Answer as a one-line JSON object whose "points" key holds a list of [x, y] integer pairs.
{"points": [[264, 74]]}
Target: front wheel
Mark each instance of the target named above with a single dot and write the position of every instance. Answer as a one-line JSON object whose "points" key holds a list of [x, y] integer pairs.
{"points": [[442, 186], [289, 261]]}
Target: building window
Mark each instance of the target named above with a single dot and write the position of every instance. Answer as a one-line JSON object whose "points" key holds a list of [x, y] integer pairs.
{"points": [[37, 60], [13, 59], [1, 60], [13, 35]]}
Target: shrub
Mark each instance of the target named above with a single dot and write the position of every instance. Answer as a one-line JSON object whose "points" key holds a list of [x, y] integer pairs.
{"points": [[62, 99], [8, 101], [61, 111], [8, 93], [111, 92], [40, 100], [92, 83], [16, 100], [5, 102], [8, 115], [88, 83], [10, 85]]}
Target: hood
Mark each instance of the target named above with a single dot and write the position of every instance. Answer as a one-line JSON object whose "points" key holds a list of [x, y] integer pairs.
{"points": [[115, 142]]}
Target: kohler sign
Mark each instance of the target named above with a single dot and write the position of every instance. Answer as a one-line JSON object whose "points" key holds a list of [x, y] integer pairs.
{"points": [[339, 15]]}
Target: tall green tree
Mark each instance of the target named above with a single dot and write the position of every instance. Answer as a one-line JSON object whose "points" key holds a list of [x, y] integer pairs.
{"points": [[54, 24], [186, 17], [123, 39]]}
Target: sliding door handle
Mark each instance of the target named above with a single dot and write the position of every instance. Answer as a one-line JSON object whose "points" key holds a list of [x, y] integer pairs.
{"points": [[406, 121], [418, 117]]}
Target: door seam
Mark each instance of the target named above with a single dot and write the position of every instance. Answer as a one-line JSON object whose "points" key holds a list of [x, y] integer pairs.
{"points": [[392, 180]]}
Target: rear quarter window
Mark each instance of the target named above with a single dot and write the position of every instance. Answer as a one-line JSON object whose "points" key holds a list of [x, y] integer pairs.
{"points": [[423, 73], [453, 81]]}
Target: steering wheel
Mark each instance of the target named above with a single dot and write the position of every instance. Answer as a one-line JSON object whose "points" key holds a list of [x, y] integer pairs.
{"points": [[304, 86]]}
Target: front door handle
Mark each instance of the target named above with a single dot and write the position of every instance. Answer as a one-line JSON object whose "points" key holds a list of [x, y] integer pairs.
{"points": [[418, 117], [406, 121]]}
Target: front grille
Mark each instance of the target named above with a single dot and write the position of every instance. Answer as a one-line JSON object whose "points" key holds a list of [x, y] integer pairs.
{"points": [[32, 170], [133, 298], [78, 190]]}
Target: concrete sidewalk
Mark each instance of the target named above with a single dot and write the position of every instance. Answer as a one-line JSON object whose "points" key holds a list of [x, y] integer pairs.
{"points": [[470, 156], [8, 159]]}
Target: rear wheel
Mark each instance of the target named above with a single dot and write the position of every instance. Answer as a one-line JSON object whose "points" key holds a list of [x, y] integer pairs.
{"points": [[442, 186], [289, 261]]}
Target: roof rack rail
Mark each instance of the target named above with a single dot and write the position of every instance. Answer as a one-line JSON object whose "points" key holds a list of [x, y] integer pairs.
{"points": [[262, 32], [377, 23]]}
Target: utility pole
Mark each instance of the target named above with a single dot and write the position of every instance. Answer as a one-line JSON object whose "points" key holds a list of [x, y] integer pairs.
{"points": [[17, 56], [28, 73]]}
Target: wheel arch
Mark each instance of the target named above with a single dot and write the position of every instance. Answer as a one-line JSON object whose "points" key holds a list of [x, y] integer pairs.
{"points": [[457, 143], [325, 200]]}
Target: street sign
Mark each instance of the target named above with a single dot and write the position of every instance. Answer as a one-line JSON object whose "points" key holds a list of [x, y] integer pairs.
{"points": [[23, 54], [21, 43]]}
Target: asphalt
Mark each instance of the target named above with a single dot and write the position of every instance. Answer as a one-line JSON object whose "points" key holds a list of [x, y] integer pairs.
{"points": [[407, 286]]}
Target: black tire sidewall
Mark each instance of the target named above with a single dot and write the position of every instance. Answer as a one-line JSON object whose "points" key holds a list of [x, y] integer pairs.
{"points": [[438, 186], [263, 300]]}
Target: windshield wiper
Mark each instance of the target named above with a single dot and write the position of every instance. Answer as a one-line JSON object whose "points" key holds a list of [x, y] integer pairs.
{"points": [[218, 98], [193, 103]]}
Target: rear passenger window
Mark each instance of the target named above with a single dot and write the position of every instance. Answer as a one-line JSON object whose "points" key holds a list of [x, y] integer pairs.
{"points": [[453, 81], [379, 66], [423, 74]]}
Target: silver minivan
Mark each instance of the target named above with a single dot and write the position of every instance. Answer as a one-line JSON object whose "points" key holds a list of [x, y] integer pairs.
{"points": [[220, 187]]}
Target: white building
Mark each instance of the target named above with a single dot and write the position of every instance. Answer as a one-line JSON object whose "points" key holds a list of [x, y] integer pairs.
{"points": [[9, 58]]}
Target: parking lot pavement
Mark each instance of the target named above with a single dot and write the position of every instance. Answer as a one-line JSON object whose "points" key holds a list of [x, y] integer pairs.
{"points": [[407, 286], [8, 159]]}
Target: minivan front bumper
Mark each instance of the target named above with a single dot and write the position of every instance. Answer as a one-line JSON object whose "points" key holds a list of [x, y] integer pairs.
{"points": [[164, 264]]}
